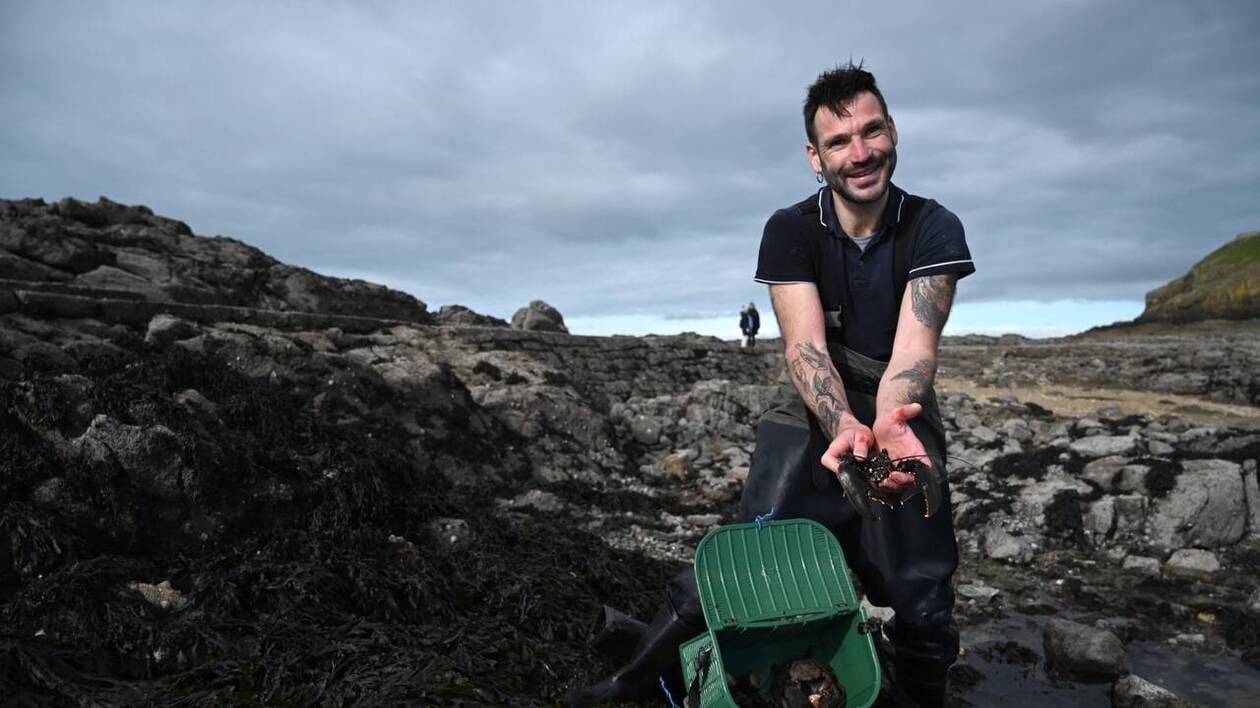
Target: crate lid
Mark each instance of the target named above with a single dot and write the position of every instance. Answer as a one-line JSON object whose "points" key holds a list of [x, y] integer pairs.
{"points": [[772, 574]]}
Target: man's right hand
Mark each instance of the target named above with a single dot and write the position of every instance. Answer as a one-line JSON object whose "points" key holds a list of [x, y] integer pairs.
{"points": [[853, 437]]}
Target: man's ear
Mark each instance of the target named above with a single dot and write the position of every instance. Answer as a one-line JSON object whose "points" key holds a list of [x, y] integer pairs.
{"points": [[892, 129], [815, 161]]}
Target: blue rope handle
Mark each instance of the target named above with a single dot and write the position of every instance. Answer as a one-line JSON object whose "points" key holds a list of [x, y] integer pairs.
{"points": [[764, 517], [668, 696]]}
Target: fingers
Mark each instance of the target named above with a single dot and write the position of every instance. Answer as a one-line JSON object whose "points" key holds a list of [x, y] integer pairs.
{"points": [[858, 442], [862, 441], [901, 414], [896, 481]]}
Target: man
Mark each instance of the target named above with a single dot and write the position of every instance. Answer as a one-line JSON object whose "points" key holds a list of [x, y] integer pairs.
{"points": [[862, 279], [749, 323]]}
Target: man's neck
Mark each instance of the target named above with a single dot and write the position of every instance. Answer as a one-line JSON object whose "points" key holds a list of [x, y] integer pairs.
{"points": [[859, 219]]}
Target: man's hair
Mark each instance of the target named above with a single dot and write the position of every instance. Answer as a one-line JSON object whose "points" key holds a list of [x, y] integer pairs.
{"points": [[833, 88]]}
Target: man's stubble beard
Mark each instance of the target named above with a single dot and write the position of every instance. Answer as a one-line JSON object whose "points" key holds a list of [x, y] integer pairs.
{"points": [[836, 182]]}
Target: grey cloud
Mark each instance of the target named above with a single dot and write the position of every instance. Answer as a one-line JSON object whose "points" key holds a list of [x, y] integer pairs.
{"points": [[617, 159]]}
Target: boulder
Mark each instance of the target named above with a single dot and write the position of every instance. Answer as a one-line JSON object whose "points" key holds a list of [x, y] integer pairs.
{"points": [[1144, 565], [1204, 509], [1136, 692], [1192, 562], [1083, 652], [1105, 445], [460, 315], [539, 317], [1002, 545]]}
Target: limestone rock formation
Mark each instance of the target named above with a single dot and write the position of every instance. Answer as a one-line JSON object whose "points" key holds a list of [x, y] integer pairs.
{"points": [[105, 249], [1225, 285]]}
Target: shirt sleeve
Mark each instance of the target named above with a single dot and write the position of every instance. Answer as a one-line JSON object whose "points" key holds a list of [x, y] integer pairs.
{"points": [[941, 246], [786, 255]]}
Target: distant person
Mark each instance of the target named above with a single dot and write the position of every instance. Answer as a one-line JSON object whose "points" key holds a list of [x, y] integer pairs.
{"points": [[862, 278], [749, 323]]}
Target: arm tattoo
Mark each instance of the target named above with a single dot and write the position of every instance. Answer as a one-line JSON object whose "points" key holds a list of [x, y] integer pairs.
{"points": [[931, 297], [919, 380], [817, 382]]}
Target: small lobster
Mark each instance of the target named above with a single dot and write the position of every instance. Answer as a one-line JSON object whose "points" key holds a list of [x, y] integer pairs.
{"points": [[860, 480]]}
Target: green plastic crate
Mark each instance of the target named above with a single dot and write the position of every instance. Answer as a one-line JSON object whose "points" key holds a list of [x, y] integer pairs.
{"points": [[772, 595]]}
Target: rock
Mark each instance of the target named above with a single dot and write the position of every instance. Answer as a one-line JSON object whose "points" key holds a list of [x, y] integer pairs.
{"points": [[677, 464], [150, 457], [447, 532], [1253, 602], [164, 330], [984, 434], [1001, 545], [539, 317], [537, 499], [1083, 652], [460, 315], [44, 356], [1193, 562], [1105, 445], [977, 591], [646, 429], [1204, 509], [1136, 692], [1251, 489], [161, 595], [1142, 564], [1100, 518]]}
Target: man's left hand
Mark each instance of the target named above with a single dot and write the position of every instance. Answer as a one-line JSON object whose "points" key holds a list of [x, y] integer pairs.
{"points": [[892, 433]]}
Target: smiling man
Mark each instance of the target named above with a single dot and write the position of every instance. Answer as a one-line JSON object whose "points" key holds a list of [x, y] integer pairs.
{"points": [[862, 278]]}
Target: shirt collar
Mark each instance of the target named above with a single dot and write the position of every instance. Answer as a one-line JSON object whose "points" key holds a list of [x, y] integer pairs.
{"points": [[892, 212]]}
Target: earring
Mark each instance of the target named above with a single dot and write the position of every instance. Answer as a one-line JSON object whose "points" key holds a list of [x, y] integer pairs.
{"points": [[818, 177]]}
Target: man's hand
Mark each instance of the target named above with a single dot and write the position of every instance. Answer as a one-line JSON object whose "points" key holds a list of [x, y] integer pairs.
{"points": [[892, 433], [851, 436]]}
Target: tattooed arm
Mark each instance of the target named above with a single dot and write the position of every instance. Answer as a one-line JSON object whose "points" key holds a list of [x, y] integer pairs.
{"points": [[800, 315], [912, 368]]}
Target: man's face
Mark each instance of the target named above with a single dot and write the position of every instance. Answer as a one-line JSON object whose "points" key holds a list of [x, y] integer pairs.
{"points": [[856, 153]]}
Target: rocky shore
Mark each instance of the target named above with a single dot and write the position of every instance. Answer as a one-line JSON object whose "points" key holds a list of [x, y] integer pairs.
{"points": [[251, 495]]}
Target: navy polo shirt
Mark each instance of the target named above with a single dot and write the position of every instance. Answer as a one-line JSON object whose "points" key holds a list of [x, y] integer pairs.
{"points": [[792, 251]]}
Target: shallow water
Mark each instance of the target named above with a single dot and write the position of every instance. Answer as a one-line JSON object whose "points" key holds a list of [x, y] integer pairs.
{"points": [[1216, 680]]}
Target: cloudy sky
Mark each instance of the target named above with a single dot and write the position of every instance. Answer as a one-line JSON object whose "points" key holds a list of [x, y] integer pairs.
{"points": [[618, 160]]}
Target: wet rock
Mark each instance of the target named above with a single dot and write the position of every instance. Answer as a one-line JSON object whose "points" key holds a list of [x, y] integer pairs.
{"points": [[446, 532], [150, 457], [1083, 652], [1100, 518], [1142, 564], [646, 429], [44, 356], [977, 591], [1192, 562], [1205, 508], [460, 315], [539, 317], [164, 330], [1105, 445], [1002, 545], [1136, 692], [161, 595]]}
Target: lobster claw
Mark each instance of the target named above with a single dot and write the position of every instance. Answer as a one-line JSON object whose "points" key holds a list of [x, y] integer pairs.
{"points": [[856, 488], [928, 481]]}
